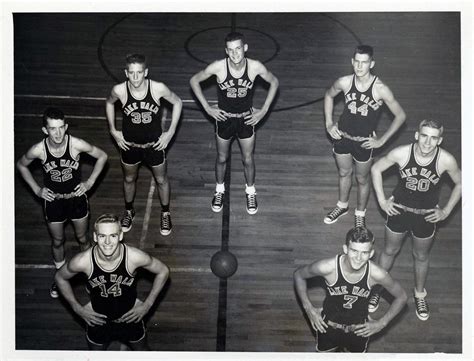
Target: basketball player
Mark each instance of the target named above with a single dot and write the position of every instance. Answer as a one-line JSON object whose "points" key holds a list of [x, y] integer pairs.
{"points": [[234, 113], [63, 192], [141, 138], [354, 135], [413, 207], [114, 312], [342, 323]]}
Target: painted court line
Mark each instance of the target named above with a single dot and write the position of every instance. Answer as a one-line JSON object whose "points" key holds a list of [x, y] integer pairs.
{"points": [[72, 97], [146, 218]]}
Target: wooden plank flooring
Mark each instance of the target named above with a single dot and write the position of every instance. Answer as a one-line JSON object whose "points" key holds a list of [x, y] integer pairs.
{"points": [[417, 55]]}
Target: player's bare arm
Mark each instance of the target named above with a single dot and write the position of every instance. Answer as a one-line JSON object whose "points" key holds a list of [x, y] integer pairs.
{"points": [[80, 263], [256, 68], [37, 151], [118, 92], [324, 268], [383, 92], [139, 259], [160, 90], [382, 277], [340, 85], [81, 146], [447, 163], [395, 156], [217, 69]]}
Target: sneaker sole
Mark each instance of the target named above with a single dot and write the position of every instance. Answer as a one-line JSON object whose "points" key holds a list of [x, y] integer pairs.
{"points": [[422, 318], [252, 212], [165, 233], [216, 210], [327, 221], [54, 295], [372, 308]]}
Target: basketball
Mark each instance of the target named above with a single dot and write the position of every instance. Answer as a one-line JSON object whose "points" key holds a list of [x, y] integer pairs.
{"points": [[223, 264]]}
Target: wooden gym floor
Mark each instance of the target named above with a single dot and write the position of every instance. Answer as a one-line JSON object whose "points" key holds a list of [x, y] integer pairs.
{"points": [[72, 61]]}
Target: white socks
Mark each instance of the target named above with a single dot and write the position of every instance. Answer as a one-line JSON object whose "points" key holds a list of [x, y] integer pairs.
{"points": [[250, 190], [58, 265], [358, 213], [342, 204], [220, 187]]}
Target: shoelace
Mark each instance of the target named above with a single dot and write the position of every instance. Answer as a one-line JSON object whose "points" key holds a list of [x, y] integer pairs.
{"points": [[127, 219], [421, 304], [359, 221], [218, 196], [336, 211], [251, 201], [165, 221], [374, 299]]}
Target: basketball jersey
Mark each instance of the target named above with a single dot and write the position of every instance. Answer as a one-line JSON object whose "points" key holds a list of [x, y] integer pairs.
{"points": [[61, 174], [113, 292], [347, 302], [141, 117], [418, 186], [235, 95], [361, 111]]}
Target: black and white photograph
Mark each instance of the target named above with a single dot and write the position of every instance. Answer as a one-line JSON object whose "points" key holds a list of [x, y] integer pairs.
{"points": [[256, 182]]}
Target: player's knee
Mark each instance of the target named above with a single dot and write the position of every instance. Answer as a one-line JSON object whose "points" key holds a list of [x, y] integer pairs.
{"points": [[58, 242], [391, 251], [221, 157], [421, 256], [345, 172], [247, 159], [363, 179], [161, 179], [130, 178]]}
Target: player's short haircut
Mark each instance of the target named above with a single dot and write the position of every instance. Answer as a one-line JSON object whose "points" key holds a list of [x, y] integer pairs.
{"points": [[364, 49], [135, 59], [234, 36], [52, 113], [432, 123], [359, 235], [106, 218]]}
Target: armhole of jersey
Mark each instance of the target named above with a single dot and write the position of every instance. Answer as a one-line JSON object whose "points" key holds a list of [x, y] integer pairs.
{"points": [[45, 153], [226, 72], [337, 260], [150, 89], [409, 157], [126, 94], [350, 87], [369, 269], [373, 86], [125, 255], [91, 258], [77, 157], [437, 161]]}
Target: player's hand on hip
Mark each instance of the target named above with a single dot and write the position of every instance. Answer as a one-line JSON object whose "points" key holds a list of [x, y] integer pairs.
{"points": [[163, 141], [316, 319], [254, 117], [437, 214], [91, 317], [136, 313], [390, 207], [334, 132], [216, 113], [82, 188], [119, 139], [46, 193], [372, 142], [368, 328]]}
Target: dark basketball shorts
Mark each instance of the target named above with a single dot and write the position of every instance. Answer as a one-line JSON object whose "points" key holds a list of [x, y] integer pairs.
{"points": [[113, 331], [60, 210], [234, 127], [336, 338], [148, 155], [411, 222], [352, 147]]}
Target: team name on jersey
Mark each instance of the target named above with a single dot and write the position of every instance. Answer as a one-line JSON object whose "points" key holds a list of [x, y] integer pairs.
{"points": [[364, 99], [113, 278], [342, 290], [141, 105], [65, 163], [413, 171], [240, 82]]}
